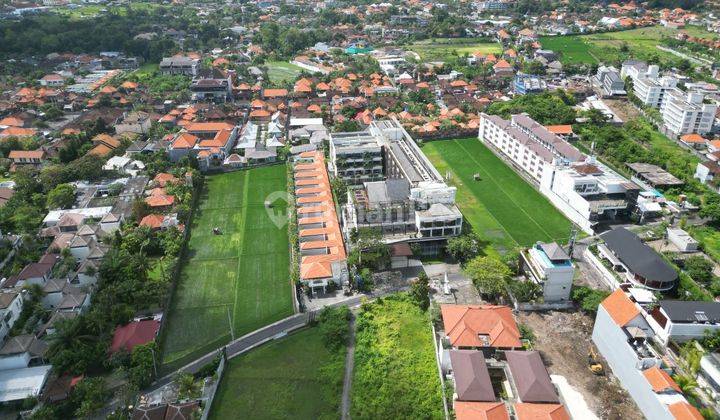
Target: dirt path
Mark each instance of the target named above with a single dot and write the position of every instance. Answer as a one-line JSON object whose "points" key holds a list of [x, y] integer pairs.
{"points": [[563, 339], [349, 366]]}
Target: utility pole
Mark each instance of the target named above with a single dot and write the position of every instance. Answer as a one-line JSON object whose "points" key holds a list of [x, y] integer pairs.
{"points": [[571, 245]]}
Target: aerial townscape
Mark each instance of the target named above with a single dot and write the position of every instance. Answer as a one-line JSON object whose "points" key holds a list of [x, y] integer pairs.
{"points": [[333, 209]]}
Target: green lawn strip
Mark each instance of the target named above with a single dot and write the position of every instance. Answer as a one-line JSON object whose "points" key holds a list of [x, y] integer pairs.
{"points": [[294, 377], [395, 373], [442, 49], [605, 47], [709, 238], [474, 212], [239, 277], [515, 205], [281, 71]]}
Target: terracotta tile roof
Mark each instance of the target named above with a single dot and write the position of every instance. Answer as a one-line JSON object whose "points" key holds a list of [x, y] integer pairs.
{"points": [[152, 220], [18, 132], [275, 93], [621, 309], [560, 129], [693, 138], [27, 154], [321, 203], [471, 410], [134, 334], [480, 326], [100, 150], [184, 141], [12, 122], [528, 411], [160, 200], [684, 411], [660, 380], [198, 127], [163, 178]]}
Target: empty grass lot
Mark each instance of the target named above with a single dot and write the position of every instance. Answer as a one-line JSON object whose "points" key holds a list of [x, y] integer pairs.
{"points": [[238, 278], [395, 375], [502, 208], [441, 49], [296, 377], [282, 72], [605, 47]]}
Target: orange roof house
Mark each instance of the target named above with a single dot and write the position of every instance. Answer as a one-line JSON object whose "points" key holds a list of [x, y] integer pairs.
{"points": [[18, 132], [528, 411], [153, 221], [12, 122], [275, 93], [620, 308], [474, 410], [660, 380], [160, 200], [560, 130], [684, 411], [317, 220], [164, 178], [480, 326], [693, 138], [184, 141]]}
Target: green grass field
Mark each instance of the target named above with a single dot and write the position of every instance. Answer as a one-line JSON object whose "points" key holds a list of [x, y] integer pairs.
{"points": [[240, 277], [296, 377], [395, 375], [605, 47], [282, 72], [502, 208], [709, 238], [440, 49]]}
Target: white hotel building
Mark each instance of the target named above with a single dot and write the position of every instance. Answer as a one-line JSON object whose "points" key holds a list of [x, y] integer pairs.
{"points": [[682, 112], [586, 191]]}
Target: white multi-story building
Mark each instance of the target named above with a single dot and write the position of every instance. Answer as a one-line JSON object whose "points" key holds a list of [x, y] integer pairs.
{"points": [[11, 304], [589, 192], [584, 190], [414, 204], [356, 157], [682, 112], [627, 342], [551, 267], [528, 144], [687, 113]]}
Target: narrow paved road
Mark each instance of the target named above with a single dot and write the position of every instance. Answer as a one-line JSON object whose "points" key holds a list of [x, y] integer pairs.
{"points": [[349, 366]]}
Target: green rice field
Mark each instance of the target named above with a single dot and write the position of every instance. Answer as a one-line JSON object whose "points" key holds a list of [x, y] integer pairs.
{"points": [[238, 279], [502, 208], [294, 377]]}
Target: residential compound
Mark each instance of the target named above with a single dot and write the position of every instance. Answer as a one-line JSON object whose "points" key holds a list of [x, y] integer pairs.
{"points": [[585, 190], [608, 82], [322, 251], [631, 331], [403, 195], [682, 112], [480, 354]]}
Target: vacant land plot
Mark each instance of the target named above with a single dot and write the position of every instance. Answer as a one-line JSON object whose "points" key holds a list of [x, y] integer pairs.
{"points": [[238, 279], [563, 340], [395, 372], [606, 47], [501, 207], [282, 72], [440, 49], [294, 377]]}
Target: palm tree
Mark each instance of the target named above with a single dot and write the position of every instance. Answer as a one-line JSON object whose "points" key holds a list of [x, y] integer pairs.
{"points": [[69, 334], [687, 384]]}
